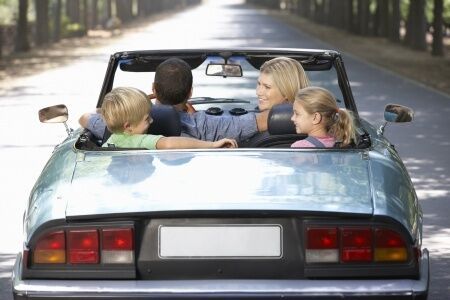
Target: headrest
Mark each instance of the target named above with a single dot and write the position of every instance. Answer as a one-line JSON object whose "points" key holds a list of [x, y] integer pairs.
{"points": [[279, 119], [166, 121]]}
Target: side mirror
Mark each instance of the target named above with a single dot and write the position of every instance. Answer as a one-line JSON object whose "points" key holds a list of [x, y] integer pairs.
{"points": [[54, 114], [224, 70], [398, 113]]}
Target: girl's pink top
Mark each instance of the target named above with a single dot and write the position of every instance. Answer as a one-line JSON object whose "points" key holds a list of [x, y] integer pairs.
{"points": [[327, 141]]}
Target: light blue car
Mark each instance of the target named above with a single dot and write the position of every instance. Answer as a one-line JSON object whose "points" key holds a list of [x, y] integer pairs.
{"points": [[262, 221]]}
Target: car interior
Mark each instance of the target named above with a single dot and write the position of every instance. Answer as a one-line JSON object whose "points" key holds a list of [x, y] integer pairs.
{"points": [[220, 73], [280, 134]]}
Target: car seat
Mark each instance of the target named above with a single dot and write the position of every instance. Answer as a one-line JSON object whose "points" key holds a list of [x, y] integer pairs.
{"points": [[281, 130]]}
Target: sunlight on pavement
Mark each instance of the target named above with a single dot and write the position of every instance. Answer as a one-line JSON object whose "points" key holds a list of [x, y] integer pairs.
{"points": [[197, 26], [437, 240], [6, 264]]}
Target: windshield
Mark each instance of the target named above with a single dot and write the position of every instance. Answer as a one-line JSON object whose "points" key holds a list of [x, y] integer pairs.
{"points": [[216, 88]]}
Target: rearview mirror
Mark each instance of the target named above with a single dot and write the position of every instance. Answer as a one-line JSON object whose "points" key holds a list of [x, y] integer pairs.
{"points": [[398, 113], [54, 114], [224, 70]]}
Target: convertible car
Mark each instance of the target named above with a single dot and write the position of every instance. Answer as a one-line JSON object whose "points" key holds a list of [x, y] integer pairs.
{"points": [[262, 221]]}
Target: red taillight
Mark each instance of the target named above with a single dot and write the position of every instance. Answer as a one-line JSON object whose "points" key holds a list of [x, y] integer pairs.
{"points": [[50, 249], [117, 239], [322, 238], [322, 245], [118, 246], [386, 238], [83, 246], [356, 244], [86, 246]]}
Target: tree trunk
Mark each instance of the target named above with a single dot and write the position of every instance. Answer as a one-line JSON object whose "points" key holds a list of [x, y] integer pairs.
{"points": [[363, 17], [86, 22], [305, 8], [124, 10], [383, 18], [416, 25], [94, 13], [337, 13], [22, 42], [42, 22], [57, 22], [409, 23], [328, 18], [394, 23], [108, 9], [349, 16], [73, 10], [318, 11], [438, 23], [142, 8]]}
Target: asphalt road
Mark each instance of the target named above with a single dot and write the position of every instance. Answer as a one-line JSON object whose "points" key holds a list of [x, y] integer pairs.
{"points": [[25, 144]]}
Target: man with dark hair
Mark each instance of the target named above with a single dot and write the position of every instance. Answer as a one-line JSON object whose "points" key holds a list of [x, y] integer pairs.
{"points": [[173, 86], [173, 81]]}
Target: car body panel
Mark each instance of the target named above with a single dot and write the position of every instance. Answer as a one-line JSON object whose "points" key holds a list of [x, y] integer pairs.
{"points": [[268, 180], [294, 178], [394, 192], [46, 204]]}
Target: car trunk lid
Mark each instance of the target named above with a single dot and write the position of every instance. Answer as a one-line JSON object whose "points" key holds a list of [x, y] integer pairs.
{"points": [[141, 182]]}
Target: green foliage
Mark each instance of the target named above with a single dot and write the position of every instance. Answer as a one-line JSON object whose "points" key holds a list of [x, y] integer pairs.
{"points": [[8, 11], [447, 11], [429, 6], [72, 29]]}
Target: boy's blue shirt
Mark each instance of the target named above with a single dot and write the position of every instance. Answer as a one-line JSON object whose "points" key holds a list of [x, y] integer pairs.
{"points": [[199, 125]]}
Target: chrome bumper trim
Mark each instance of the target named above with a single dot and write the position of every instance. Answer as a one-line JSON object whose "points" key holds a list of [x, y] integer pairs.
{"points": [[55, 289]]}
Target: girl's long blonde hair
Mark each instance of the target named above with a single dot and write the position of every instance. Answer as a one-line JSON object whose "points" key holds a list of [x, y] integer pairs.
{"points": [[124, 104], [288, 75], [339, 122]]}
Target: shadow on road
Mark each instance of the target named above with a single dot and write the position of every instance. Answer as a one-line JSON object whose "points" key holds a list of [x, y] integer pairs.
{"points": [[436, 237], [6, 264]]}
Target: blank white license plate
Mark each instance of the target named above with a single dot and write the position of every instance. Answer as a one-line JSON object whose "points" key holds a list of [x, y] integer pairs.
{"points": [[227, 241]]}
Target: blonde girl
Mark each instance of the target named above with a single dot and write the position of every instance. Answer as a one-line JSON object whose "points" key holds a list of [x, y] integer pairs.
{"points": [[317, 114], [279, 81]]}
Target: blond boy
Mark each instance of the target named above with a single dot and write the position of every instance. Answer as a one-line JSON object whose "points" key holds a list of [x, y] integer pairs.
{"points": [[126, 111]]}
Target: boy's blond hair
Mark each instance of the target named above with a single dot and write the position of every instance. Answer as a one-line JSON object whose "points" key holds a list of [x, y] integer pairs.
{"points": [[288, 75], [122, 105]]}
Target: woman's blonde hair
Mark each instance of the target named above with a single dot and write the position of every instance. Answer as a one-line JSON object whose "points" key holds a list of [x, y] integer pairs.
{"points": [[339, 122], [122, 105], [288, 75]]}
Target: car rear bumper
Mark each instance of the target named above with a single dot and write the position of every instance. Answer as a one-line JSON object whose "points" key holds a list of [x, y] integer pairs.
{"points": [[223, 289]]}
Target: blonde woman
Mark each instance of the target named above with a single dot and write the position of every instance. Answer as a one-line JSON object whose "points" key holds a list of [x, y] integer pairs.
{"points": [[317, 114], [279, 81]]}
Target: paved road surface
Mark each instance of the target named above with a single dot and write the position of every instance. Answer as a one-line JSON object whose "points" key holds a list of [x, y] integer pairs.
{"points": [[25, 144]]}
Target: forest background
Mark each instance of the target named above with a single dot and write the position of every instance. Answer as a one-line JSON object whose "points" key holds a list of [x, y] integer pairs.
{"points": [[406, 36]]}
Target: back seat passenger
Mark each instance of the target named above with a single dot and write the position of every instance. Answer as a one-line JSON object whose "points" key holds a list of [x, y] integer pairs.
{"points": [[166, 122]]}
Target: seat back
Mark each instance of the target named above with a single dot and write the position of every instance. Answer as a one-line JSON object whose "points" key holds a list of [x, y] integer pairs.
{"points": [[279, 119], [281, 130], [166, 122]]}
